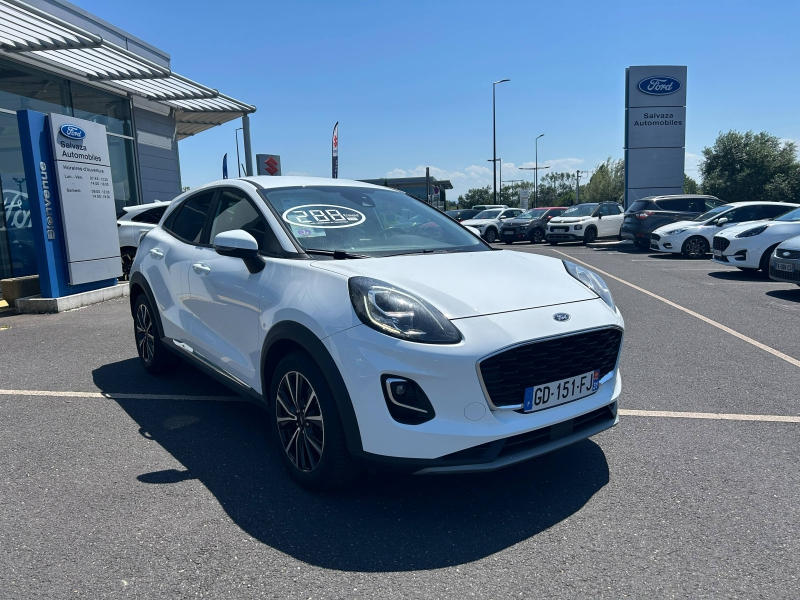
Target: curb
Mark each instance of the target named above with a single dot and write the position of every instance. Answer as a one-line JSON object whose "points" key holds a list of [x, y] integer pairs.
{"points": [[38, 305]]}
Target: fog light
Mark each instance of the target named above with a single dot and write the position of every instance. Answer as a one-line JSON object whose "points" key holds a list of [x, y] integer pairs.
{"points": [[667, 245], [406, 401], [741, 255]]}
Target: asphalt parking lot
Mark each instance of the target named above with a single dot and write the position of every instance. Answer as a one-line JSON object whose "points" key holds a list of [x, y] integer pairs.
{"points": [[119, 484]]}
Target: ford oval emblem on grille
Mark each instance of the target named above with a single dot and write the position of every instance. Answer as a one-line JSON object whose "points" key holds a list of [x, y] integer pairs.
{"points": [[561, 317], [786, 254]]}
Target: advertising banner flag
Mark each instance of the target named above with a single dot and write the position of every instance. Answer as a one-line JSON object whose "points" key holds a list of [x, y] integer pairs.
{"points": [[335, 152], [225, 166]]}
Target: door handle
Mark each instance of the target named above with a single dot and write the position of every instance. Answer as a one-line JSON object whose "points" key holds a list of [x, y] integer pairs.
{"points": [[157, 253], [201, 269]]}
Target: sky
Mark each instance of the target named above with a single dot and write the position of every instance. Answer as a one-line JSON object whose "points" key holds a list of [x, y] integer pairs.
{"points": [[411, 82]]}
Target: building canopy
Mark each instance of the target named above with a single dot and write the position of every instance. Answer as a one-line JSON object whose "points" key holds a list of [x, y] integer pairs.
{"points": [[26, 30]]}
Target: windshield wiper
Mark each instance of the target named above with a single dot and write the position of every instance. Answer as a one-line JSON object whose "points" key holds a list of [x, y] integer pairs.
{"points": [[336, 254], [426, 251]]}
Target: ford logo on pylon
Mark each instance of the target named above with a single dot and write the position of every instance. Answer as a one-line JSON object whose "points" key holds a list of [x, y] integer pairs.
{"points": [[659, 86], [73, 132]]}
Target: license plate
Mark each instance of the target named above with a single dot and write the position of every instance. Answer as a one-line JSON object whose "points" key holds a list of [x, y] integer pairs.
{"points": [[546, 395], [717, 253], [559, 229], [789, 268]]}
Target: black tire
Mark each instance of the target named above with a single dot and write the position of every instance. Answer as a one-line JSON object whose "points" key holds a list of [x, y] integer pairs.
{"points": [[641, 245], [490, 236], [301, 397], [589, 236], [763, 264], [552, 243], [695, 247], [154, 356], [537, 236], [508, 243], [127, 255]]}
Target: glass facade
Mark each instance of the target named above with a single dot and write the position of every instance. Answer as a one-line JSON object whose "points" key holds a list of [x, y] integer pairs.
{"points": [[23, 88]]}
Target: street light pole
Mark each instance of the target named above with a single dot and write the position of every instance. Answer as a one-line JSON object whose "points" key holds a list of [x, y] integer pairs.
{"points": [[494, 138], [536, 185], [536, 188], [578, 185], [238, 160], [494, 160]]}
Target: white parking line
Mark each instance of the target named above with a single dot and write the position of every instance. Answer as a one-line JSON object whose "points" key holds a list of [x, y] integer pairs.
{"points": [[623, 411], [117, 396], [733, 332], [627, 412]]}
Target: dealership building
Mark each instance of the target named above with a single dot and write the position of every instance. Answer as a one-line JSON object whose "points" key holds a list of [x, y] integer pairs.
{"points": [[57, 58]]}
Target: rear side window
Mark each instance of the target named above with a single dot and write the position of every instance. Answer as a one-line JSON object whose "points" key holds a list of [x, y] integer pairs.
{"points": [[771, 211], [235, 211], [152, 216], [186, 223], [675, 204]]}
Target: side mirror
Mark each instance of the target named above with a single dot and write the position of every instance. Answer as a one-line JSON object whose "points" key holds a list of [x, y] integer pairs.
{"points": [[722, 221], [240, 244], [599, 216]]}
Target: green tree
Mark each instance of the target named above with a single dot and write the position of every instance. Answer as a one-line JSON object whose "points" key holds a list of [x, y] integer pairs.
{"points": [[557, 189], [607, 183], [751, 166], [690, 185], [476, 196]]}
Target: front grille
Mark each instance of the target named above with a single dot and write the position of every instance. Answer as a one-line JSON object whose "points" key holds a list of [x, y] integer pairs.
{"points": [[790, 254], [507, 374], [721, 243], [655, 237], [773, 272]]}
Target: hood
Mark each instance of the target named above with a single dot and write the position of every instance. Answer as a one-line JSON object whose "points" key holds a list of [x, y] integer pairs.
{"points": [[469, 284], [734, 230], [568, 219], [518, 222], [476, 222], [677, 225], [790, 244]]}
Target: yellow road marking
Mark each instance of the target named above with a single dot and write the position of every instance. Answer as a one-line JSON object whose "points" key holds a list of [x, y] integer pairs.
{"points": [[627, 412]]}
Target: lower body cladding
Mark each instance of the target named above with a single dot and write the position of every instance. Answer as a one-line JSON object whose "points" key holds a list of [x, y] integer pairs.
{"points": [[563, 237], [468, 433]]}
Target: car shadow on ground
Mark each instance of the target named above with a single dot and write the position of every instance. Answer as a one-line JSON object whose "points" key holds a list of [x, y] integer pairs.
{"points": [[787, 295], [379, 523], [738, 275]]}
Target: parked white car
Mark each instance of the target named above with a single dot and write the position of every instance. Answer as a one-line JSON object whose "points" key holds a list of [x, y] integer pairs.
{"points": [[488, 222], [749, 246], [585, 223], [371, 344], [784, 262], [693, 238], [132, 224]]}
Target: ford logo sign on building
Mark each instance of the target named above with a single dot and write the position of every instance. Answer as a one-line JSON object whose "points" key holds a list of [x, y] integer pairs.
{"points": [[659, 86], [73, 132]]}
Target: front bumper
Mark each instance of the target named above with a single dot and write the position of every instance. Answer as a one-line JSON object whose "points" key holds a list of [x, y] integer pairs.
{"points": [[568, 236], [738, 253], [778, 274], [666, 243], [466, 432], [516, 234]]}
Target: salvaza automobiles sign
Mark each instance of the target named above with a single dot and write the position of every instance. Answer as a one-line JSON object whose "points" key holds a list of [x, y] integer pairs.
{"points": [[659, 85]]}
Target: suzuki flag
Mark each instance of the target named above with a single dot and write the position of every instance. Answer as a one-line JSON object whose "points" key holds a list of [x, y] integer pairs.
{"points": [[335, 152], [269, 164]]}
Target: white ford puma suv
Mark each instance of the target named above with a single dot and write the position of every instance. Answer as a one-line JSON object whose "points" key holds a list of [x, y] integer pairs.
{"points": [[365, 337]]}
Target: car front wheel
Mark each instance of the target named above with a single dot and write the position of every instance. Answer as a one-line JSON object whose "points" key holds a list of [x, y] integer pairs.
{"points": [[490, 236], [307, 426], [695, 247], [537, 236], [153, 354], [590, 236]]}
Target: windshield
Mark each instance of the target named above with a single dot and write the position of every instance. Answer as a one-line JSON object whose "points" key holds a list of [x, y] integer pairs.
{"points": [[533, 214], [714, 212], [790, 216], [488, 214], [580, 210], [372, 222]]}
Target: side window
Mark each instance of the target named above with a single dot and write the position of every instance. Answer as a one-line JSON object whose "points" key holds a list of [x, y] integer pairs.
{"points": [[152, 216], [607, 210], [697, 205], [236, 211], [616, 209], [186, 223], [745, 213], [675, 204], [771, 211]]}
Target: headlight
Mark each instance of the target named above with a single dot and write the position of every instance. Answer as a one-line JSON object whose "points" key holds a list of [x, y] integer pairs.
{"points": [[675, 231], [753, 231], [578, 227], [591, 280], [399, 314]]}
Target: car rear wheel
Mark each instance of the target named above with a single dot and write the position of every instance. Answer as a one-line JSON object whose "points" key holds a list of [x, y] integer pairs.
{"points": [[553, 243], [490, 236], [508, 243], [537, 236], [153, 354], [307, 426], [590, 236], [642, 245], [695, 247]]}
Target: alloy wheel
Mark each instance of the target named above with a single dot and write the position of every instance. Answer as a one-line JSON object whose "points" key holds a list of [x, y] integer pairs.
{"points": [[696, 247], [537, 236], [145, 340], [300, 424]]}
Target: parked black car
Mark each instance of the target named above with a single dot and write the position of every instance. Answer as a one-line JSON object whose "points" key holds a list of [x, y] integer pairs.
{"points": [[644, 216], [463, 214], [530, 225]]}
